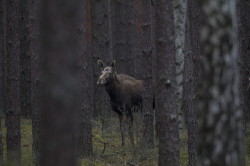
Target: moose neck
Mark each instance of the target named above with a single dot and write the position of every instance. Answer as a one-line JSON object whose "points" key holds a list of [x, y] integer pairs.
{"points": [[112, 87]]}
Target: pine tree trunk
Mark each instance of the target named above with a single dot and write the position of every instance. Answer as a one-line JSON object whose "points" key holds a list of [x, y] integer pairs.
{"points": [[101, 50], [191, 78], [144, 67], [1, 58], [165, 82], [61, 96], [123, 38], [84, 140], [244, 58], [221, 130], [1, 78], [34, 48], [13, 82], [25, 72], [180, 19]]}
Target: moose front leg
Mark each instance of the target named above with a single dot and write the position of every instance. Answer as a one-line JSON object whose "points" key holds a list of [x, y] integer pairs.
{"points": [[122, 127]]}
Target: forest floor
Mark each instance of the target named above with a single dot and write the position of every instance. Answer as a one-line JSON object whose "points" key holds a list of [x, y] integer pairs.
{"points": [[107, 147]]}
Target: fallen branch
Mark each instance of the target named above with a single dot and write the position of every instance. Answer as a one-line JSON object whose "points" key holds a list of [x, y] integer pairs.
{"points": [[129, 163]]}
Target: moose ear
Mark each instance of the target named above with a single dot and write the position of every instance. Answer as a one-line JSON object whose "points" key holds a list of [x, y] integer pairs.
{"points": [[113, 64], [100, 64]]}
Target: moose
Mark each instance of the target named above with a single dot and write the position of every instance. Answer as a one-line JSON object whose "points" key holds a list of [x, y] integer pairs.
{"points": [[125, 94]]}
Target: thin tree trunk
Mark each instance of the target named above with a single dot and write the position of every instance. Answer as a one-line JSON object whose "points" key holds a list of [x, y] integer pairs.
{"points": [[221, 130], [85, 146], [166, 102], [61, 96], [34, 48], [25, 72], [180, 19], [13, 83], [192, 78], [145, 52]]}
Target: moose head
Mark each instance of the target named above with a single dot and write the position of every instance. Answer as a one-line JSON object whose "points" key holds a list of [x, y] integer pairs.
{"points": [[108, 73]]}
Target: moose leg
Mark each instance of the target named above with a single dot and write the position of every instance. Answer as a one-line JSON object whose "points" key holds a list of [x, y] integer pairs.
{"points": [[122, 127], [130, 127]]}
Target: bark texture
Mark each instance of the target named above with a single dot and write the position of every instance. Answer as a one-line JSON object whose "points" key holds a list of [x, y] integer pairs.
{"points": [[180, 20], [1, 58], [25, 72], [145, 65], [61, 96], [192, 78], [244, 57], [124, 35], [165, 83], [13, 82], [34, 48], [102, 49], [221, 130], [86, 80]]}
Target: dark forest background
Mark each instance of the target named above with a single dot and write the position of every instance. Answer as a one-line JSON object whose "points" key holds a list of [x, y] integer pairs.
{"points": [[194, 59]]}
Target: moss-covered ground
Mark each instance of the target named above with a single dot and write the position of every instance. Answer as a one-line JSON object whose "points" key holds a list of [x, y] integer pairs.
{"points": [[107, 147]]}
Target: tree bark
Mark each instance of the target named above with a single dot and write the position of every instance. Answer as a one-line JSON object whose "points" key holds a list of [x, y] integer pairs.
{"points": [[123, 38], [165, 83], [144, 67], [86, 78], [34, 48], [180, 20], [221, 131], [102, 42], [1, 58], [13, 82], [244, 58], [25, 72], [192, 78], [61, 96]]}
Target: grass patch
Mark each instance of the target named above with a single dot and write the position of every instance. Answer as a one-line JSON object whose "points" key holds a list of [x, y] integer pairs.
{"points": [[107, 147]]}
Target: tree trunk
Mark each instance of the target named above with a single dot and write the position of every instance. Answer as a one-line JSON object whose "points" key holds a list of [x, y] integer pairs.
{"points": [[144, 67], [61, 96], [221, 133], [34, 48], [85, 146], [13, 82], [180, 19], [244, 58], [25, 72], [191, 78], [123, 38], [165, 82], [101, 50], [1, 58], [1, 78]]}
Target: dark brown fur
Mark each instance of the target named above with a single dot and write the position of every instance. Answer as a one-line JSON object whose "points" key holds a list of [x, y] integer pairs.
{"points": [[125, 93]]}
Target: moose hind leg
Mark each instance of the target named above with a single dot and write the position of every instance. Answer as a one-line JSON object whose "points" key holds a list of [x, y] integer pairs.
{"points": [[130, 127], [122, 127]]}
